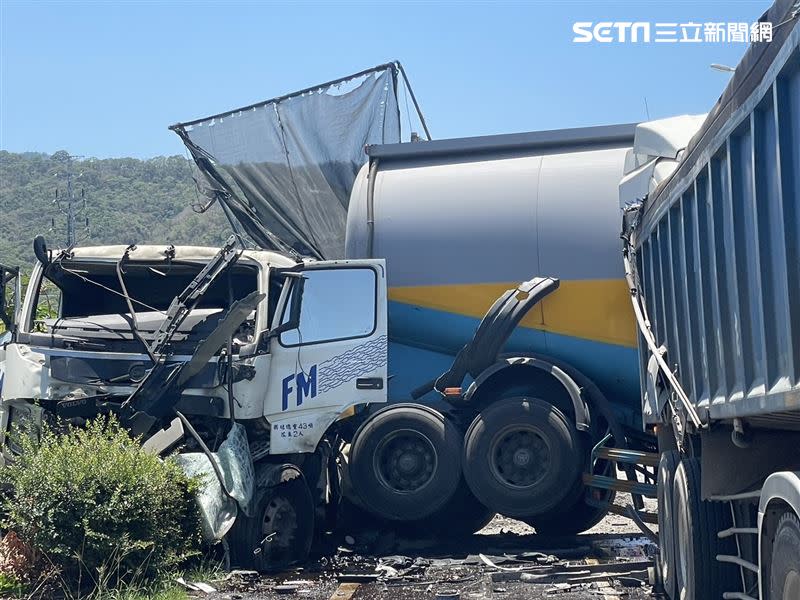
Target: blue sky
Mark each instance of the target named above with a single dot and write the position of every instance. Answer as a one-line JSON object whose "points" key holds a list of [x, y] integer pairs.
{"points": [[106, 78]]}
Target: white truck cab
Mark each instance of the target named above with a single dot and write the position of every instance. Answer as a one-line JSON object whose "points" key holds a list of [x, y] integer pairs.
{"points": [[289, 347]]}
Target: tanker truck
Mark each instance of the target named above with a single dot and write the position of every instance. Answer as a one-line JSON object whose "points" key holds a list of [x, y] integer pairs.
{"points": [[713, 264], [270, 371], [520, 399], [458, 222], [518, 402]]}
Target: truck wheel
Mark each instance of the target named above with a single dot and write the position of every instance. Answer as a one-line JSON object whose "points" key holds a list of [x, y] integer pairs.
{"points": [[667, 464], [784, 571], [281, 530], [461, 516], [698, 576], [577, 518], [405, 462], [521, 457]]}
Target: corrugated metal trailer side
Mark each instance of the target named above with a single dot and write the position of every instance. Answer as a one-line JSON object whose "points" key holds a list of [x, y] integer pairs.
{"points": [[718, 255], [712, 258]]}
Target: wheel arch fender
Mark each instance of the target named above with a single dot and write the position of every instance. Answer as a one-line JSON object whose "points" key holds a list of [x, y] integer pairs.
{"points": [[580, 409], [273, 474], [780, 492], [369, 414], [783, 486]]}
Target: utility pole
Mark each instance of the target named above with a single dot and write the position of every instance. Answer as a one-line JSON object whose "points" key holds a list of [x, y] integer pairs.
{"points": [[67, 205]]}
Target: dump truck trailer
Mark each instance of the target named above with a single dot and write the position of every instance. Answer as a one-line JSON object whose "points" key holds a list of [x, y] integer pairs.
{"points": [[713, 260]]}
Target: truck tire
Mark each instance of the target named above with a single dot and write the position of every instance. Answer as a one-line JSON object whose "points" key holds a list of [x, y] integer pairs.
{"points": [[784, 570], [667, 464], [461, 516], [576, 518], [521, 457], [698, 575], [405, 462], [281, 530]]}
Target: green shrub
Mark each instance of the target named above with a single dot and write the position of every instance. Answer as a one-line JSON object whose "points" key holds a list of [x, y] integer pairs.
{"points": [[9, 586], [100, 508]]}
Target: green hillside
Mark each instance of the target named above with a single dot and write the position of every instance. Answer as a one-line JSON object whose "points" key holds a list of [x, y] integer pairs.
{"points": [[128, 201]]}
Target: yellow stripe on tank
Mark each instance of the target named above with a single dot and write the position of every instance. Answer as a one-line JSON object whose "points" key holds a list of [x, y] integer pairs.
{"points": [[592, 309]]}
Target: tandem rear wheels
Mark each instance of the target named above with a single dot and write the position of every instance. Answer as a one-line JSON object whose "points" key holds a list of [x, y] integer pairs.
{"points": [[688, 528], [520, 457]]}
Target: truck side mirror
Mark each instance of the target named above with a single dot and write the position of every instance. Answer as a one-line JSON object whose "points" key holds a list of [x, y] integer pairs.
{"points": [[40, 250], [9, 303]]}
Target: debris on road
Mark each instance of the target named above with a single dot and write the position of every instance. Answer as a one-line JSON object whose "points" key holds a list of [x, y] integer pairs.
{"points": [[195, 586], [514, 565]]}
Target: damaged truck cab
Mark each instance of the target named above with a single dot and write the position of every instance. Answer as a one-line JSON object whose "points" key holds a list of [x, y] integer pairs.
{"points": [[185, 343]]}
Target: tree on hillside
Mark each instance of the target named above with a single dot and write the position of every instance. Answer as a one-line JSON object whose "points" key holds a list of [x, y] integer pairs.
{"points": [[128, 201]]}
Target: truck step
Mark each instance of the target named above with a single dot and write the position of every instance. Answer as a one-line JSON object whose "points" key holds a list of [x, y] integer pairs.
{"points": [[745, 564], [633, 457], [620, 485], [725, 533]]}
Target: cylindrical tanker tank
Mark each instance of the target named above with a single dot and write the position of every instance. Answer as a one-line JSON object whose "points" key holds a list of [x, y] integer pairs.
{"points": [[460, 221]]}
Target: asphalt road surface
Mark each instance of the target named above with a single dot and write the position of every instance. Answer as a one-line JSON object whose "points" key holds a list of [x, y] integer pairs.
{"points": [[504, 561]]}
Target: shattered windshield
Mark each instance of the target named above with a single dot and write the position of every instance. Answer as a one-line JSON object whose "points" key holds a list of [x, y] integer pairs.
{"points": [[94, 289], [92, 302]]}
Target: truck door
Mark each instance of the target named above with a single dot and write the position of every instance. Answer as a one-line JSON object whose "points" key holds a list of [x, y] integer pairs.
{"points": [[336, 355]]}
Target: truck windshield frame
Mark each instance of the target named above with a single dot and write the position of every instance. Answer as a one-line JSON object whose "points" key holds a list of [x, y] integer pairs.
{"points": [[246, 273]]}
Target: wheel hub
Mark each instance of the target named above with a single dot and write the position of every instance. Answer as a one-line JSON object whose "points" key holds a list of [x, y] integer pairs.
{"points": [[405, 461], [278, 525], [408, 463], [520, 457]]}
